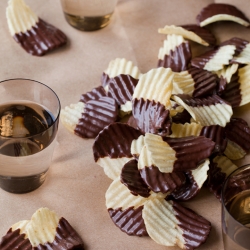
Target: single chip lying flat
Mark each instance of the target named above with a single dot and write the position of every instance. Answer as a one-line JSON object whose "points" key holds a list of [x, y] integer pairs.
{"points": [[111, 148], [220, 167], [195, 82], [119, 66], [131, 178], [191, 32], [156, 85], [194, 183], [179, 154], [94, 94], [238, 134], [170, 224], [207, 111], [35, 35], [215, 59], [221, 12], [175, 53], [129, 220], [121, 88], [151, 117]]}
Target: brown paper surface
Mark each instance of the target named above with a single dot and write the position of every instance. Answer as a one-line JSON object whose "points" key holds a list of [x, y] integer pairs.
{"points": [[75, 186]]}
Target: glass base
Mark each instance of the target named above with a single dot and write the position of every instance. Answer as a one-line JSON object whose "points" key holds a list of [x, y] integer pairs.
{"points": [[88, 23], [20, 185]]}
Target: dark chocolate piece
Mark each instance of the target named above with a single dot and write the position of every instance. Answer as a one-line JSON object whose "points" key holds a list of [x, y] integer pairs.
{"points": [[232, 92], [188, 190], [151, 117], [205, 34], [178, 59], [129, 220], [41, 39], [195, 227], [94, 94], [162, 182], [190, 151], [131, 178], [217, 134], [217, 9], [121, 88], [238, 131], [97, 115], [205, 82], [15, 240], [115, 141]]}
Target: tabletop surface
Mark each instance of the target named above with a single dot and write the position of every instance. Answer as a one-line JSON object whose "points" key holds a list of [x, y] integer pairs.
{"points": [[75, 186]]}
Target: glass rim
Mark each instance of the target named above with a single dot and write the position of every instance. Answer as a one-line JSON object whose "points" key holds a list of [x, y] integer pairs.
{"points": [[57, 98], [222, 194]]}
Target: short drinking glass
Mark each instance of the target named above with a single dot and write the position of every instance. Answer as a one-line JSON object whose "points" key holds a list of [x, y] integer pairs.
{"points": [[236, 210], [29, 115]]}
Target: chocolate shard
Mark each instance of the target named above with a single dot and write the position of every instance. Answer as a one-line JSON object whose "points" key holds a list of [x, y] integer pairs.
{"points": [[190, 151], [15, 240], [217, 134], [238, 131], [162, 182], [121, 88], [66, 238], [115, 141], [205, 82], [97, 115], [195, 227], [151, 117], [221, 12], [177, 58], [204, 33], [94, 94], [219, 168], [129, 220], [131, 178]]}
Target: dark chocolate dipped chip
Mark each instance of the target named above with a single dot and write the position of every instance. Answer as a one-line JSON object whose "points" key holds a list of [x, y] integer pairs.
{"points": [[115, 141], [217, 134], [66, 238], [238, 132], [121, 88], [131, 178], [204, 33], [94, 94], [170, 224], [105, 80], [15, 240], [205, 82], [151, 117], [195, 228], [181, 117], [214, 59], [177, 59], [162, 182], [96, 116], [129, 220], [219, 168], [190, 151], [132, 122], [221, 12]]}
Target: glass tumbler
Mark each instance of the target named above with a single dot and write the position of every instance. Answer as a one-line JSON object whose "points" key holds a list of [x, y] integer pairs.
{"points": [[236, 210], [29, 116]]}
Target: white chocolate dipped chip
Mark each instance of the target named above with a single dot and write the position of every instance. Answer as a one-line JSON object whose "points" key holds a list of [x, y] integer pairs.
{"points": [[155, 85], [206, 115], [157, 152], [42, 227], [170, 44], [172, 29], [20, 17], [71, 114], [183, 130]]}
